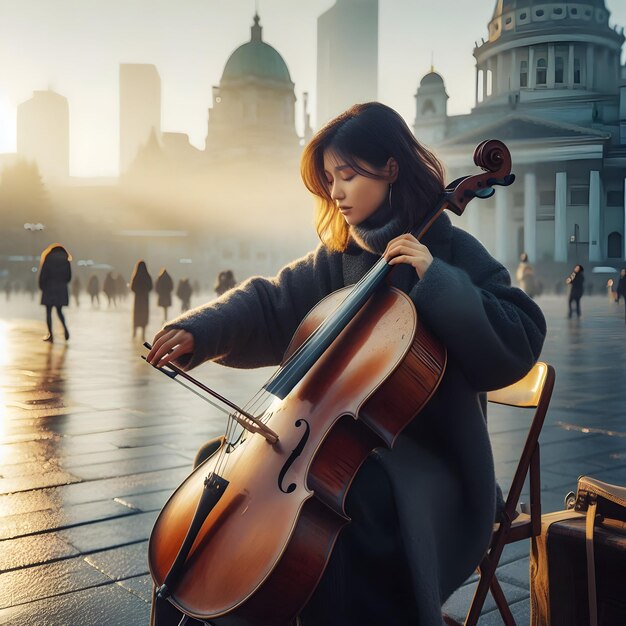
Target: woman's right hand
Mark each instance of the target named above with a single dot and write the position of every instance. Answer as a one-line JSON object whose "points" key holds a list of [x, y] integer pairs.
{"points": [[169, 345]]}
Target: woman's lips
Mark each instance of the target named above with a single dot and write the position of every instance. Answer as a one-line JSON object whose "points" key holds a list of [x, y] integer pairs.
{"points": [[343, 209]]}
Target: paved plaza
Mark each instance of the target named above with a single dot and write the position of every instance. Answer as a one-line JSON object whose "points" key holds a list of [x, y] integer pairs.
{"points": [[93, 441]]}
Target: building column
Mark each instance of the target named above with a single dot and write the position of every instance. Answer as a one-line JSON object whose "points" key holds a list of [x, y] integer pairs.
{"points": [[595, 253], [503, 209], [560, 218], [570, 67], [484, 83], [551, 66], [493, 70], [531, 68], [476, 90], [589, 68], [530, 215], [624, 231], [514, 75]]}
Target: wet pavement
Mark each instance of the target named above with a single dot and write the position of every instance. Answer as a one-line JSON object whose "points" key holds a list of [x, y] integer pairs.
{"points": [[93, 441]]}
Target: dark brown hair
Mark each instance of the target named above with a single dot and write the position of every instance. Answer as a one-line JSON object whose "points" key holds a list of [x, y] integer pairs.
{"points": [[371, 133]]}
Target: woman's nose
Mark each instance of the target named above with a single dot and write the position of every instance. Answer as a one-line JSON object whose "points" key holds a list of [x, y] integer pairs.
{"points": [[336, 192]]}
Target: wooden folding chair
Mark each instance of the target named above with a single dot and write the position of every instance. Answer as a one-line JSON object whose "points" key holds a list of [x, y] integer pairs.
{"points": [[531, 392]]}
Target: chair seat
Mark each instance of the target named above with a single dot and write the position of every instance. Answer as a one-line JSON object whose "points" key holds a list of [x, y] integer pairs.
{"points": [[521, 528]]}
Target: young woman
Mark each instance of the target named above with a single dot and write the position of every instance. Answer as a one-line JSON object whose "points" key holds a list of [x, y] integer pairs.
{"points": [[55, 272], [164, 286], [141, 286], [525, 276], [422, 513], [576, 281]]}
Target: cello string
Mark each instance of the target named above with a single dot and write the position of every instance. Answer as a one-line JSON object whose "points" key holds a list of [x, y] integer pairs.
{"points": [[318, 330]]}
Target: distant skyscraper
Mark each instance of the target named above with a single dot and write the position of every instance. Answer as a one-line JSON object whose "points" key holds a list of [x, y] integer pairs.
{"points": [[140, 109], [43, 134], [347, 57]]}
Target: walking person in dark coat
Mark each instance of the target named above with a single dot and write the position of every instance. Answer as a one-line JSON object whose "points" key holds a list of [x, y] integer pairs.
{"points": [[184, 294], [422, 512], [141, 286], [75, 289], [576, 282], [621, 288], [55, 272], [110, 289], [164, 287], [93, 289], [225, 282], [121, 288]]}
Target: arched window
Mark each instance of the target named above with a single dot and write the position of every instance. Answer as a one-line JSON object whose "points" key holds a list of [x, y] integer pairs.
{"points": [[559, 67], [542, 71], [428, 108], [523, 74], [614, 245]]}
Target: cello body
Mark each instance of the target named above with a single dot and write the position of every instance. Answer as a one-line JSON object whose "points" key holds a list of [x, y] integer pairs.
{"points": [[263, 548]]}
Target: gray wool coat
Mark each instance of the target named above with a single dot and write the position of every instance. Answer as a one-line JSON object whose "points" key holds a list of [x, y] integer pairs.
{"points": [[441, 468]]}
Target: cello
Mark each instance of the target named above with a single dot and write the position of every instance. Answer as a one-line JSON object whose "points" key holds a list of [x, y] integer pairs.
{"points": [[246, 538]]}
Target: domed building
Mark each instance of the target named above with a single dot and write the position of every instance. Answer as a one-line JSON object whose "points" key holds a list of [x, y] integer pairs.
{"points": [[431, 101], [253, 107], [550, 85]]}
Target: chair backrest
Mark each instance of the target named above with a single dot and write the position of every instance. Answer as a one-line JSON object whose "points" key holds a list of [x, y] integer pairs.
{"points": [[526, 392]]}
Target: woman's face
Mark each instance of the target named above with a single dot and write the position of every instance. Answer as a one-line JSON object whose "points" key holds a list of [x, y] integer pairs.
{"points": [[356, 196]]}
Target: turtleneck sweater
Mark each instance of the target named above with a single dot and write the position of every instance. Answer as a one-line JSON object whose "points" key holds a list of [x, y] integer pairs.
{"points": [[374, 233]]}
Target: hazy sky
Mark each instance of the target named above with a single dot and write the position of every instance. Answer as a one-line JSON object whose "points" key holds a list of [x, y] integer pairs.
{"points": [[75, 47]]}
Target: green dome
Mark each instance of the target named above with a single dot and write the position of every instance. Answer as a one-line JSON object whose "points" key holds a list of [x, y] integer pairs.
{"points": [[256, 58], [432, 79]]}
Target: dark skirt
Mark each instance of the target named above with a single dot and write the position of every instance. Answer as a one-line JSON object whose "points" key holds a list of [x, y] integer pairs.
{"points": [[367, 580]]}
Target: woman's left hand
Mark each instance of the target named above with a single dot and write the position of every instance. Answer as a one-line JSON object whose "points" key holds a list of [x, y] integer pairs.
{"points": [[407, 249]]}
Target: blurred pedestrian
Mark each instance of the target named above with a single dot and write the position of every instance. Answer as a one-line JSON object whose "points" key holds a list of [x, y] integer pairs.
{"points": [[109, 289], [610, 291], [7, 290], [621, 288], [30, 287], [76, 290], [164, 287], [121, 288], [141, 286], [225, 281], [55, 273], [93, 289], [184, 293], [576, 282], [525, 276]]}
